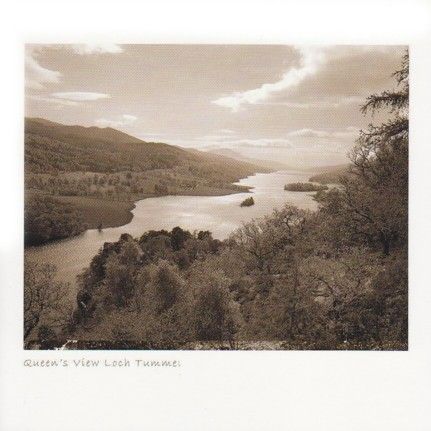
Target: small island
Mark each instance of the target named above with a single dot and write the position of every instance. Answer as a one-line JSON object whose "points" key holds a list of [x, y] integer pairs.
{"points": [[247, 202], [305, 187]]}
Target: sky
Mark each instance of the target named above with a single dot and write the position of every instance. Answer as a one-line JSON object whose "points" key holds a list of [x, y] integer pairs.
{"points": [[299, 105]]}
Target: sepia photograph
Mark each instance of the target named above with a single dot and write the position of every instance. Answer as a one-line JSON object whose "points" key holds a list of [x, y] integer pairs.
{"points": [[216, 197], [216, 215]]}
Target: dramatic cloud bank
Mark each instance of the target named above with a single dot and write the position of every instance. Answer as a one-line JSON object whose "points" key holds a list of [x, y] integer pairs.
{"points": [[311, 59], [36, 75]]}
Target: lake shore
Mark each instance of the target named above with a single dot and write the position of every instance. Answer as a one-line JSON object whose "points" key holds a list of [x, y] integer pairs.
{"points": [[218, 212], [101, 212], [110, 213], [113, 213]]}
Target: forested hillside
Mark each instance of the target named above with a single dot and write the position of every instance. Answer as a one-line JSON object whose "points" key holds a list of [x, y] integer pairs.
{"points": [[331, 279], [77, 165], [53, 147], [331, 176], [50, 219]]}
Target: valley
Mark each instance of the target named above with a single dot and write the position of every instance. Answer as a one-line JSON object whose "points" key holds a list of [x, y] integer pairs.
{"points": [[98, 173]]}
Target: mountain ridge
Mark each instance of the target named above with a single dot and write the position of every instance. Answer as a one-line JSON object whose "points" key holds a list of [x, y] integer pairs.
{"points": [[105, 143], [95, 175], [269, 164]]}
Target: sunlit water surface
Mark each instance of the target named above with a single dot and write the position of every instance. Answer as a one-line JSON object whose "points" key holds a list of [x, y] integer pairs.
{"points": [[218, 214]]}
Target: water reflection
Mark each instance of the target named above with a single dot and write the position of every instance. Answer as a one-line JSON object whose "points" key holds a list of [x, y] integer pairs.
{"points": [[218, 214]]}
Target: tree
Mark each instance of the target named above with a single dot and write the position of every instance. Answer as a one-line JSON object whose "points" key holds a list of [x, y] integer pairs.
{"points": [[47, 337], [312, 280], [179, 237], [263, 239], [47, 218], [372, 206], [341, 285], [216, 315], [120, 271], [165, 286], [45, 299]]}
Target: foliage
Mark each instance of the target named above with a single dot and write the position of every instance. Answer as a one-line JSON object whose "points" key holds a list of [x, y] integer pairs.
{"points": [[73, 162], [248, 202], [372, 206], [45, 303], [331, 176], [331, 279], [216, 314], [48, 219], [304, 187]]}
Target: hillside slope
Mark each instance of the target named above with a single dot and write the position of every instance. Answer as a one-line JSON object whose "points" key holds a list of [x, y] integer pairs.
{"points": [[100, 172], [51, 147], [330, 175], [268, 164]]}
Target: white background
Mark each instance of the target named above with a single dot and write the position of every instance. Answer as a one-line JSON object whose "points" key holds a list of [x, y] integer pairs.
{"points": [[262, 391]]}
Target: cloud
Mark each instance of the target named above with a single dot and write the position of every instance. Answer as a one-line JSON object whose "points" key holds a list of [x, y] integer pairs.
{"points": [[282, 143], [123, 120], [316, 133], [219, 135], [69, 98], [149, 137], [96, 48], [323, 102], [208, 141], [327, 77], [311, 60], [58, 102], [130, 118], [80, 96], [348, 76], [333, 140], [35, 74], [215, 137]]}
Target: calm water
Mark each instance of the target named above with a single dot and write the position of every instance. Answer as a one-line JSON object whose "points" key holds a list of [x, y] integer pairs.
{"points": [[218, 214]]}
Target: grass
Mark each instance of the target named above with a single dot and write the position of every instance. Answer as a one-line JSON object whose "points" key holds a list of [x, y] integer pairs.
{"points": [[108, 213]]}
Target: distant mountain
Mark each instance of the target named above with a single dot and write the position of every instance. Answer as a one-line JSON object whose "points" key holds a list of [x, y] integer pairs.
{"points": [[51, 147], [331, 168], [40, 126], [226, 152], [330, 174], [88, 177], [269, 164]]}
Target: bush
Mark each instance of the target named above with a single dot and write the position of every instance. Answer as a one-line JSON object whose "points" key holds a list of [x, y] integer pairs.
{"points": [[216, 315], [247, 202], [46, 219]]}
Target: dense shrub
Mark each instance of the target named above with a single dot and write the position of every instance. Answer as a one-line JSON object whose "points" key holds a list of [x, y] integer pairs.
{"points": [[48, 219]]}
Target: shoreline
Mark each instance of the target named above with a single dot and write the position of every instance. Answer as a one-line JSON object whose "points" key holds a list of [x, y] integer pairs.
{"points": [[71, 255], [120, 213]]}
